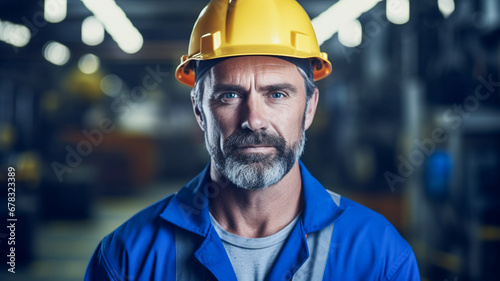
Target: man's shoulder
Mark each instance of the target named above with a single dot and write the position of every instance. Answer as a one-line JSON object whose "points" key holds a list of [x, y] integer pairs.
{"points": [[367, 222], [368, 245], [356, 213], [371, 230]]}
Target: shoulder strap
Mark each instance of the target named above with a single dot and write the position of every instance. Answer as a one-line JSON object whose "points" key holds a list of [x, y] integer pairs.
{"points": [[319, 246]]}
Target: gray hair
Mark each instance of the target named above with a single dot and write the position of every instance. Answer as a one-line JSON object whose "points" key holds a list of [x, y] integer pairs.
{"points": [[199, 88]]}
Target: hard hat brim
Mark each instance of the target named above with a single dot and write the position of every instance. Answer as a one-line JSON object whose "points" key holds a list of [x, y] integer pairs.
{"points": [[185, 73]]}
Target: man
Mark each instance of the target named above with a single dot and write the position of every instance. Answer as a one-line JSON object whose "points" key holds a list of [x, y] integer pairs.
{"points": [[255, 212]]}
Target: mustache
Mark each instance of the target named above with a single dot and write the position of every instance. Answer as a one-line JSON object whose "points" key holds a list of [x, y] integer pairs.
{"points": [[249, 138]]}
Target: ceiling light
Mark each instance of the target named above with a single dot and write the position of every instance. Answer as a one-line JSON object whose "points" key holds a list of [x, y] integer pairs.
{"points": [[54, 11], [351, 34], [15, 34], [56, 53], [446, 7], [88, 63], [338, 15], [92, 31], [116, 23], [398, 11]]}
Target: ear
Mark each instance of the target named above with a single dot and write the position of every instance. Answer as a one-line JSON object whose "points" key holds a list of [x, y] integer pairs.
{"points": [[197, 112], [311, 110]]}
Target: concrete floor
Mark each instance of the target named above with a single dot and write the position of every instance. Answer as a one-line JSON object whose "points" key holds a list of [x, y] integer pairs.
{"points": [[62, 249]]}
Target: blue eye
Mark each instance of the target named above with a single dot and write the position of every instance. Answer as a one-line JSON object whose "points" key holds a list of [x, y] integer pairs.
{"points": [[277, 95], [230, 95]]}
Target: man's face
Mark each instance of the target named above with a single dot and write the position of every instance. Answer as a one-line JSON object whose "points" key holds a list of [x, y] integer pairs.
{"points": [[254, 117]]}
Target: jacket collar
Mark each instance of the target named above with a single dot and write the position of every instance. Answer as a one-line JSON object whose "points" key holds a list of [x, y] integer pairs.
{"points": [[188, 209]]}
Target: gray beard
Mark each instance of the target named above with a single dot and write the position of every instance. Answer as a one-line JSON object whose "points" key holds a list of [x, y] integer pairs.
{"points": [[255, 171]]}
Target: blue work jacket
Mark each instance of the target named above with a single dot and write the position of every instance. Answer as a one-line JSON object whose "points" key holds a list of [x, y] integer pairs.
{"points": [[362, 246]]}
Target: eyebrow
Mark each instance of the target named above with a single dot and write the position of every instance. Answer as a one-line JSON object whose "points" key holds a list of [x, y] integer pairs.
{"points": [[278, 87], [228, 88], [269, 88]]}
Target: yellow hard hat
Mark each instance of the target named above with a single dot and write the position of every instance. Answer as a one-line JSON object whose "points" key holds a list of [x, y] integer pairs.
{"points": [[228, 28]]}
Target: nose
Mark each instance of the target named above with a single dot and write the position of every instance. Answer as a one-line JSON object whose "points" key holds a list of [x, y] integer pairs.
{"points": [[254, 113]]}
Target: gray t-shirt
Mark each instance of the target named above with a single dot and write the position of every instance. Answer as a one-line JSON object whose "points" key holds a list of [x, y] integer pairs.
{"points": [[252, 258]]}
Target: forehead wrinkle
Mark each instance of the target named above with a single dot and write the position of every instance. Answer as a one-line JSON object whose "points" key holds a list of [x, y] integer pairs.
{"points": [[259, 73], [260, 79]]}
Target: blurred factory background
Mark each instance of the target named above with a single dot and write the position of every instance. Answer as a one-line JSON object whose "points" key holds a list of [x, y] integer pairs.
{"points": [[97, 128]]}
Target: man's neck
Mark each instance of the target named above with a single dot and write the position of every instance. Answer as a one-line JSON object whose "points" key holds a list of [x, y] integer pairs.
{"points": [[257, 213]]}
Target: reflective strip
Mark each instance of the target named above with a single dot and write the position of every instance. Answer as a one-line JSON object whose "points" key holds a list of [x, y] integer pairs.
{"points": [[335, 197], [319, 246]]}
